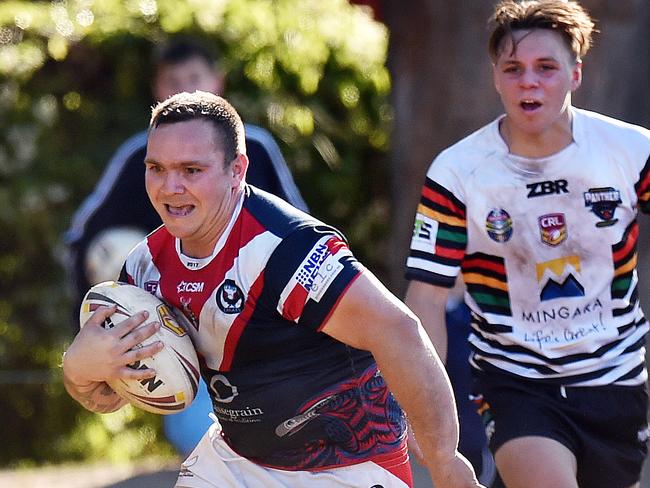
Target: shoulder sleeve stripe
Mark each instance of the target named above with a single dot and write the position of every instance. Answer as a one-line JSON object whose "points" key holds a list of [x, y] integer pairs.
{"points": [[440, 217], [627, 267], [484, 263], [643, 185], [429, 266], [452, 236], [475, 278], [628, 244], [440, 196], [294, 303], [446, 252]]}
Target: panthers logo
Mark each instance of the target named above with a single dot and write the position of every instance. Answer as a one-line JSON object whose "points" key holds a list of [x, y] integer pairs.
{"points": [[230, 298]]}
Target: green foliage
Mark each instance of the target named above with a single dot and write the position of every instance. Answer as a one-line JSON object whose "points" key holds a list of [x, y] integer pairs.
{"points": [[74, 83]]}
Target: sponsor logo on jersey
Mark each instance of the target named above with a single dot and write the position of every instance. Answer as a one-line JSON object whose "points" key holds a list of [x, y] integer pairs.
{"points": [[313, 277], [542, 188], [311, 266], [558, 278], [295, 424], [248, 415], [190, 287], [230, 298], [222, 389], [563, 312], [423, 230], [151, 286], [319, 269], [499, 225], [188, 313], [552, 228], [603, 203]]}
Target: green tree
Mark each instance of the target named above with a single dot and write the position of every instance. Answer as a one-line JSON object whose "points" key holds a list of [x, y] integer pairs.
{"points": [[74, 83]]}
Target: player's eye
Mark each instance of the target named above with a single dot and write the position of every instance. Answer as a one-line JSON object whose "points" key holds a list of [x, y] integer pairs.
{"points": [[192, 170]]}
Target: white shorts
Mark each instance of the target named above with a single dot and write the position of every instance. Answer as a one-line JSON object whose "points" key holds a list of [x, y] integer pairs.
{"points": [[213, 464]]}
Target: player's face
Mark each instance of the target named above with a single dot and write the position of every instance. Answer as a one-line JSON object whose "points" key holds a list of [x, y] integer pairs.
{"points": [[535, 81], [186, 76], [189, 185]]}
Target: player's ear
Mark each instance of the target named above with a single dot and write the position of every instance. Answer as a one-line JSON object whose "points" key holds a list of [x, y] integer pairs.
{"points": [[576, 76], [239, 167]]}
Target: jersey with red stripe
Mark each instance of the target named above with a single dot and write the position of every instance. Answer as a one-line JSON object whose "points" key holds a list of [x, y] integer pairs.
{"points": [[547, 250], [286, 394]]}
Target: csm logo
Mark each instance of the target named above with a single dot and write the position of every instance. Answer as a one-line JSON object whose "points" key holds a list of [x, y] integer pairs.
{"points": [[542, 188], [190, 287]]}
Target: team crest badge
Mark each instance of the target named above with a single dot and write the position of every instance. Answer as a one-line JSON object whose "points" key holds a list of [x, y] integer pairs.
{"points": [[499, 225], [151, 287], [552, 228], [603, 203], [230, 298]]}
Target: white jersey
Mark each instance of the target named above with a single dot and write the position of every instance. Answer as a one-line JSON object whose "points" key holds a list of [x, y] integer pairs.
{"points": [[547, 249]]}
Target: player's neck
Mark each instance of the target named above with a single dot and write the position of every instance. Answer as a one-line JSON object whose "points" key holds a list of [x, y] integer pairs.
{"points": [[537, 144], [203, 243]]}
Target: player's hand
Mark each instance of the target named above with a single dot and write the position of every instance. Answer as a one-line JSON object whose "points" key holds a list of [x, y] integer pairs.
{"points": [[456, 472], [99, 354]]}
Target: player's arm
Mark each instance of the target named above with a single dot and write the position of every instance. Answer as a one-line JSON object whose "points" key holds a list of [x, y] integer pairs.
{"points": [[97, 355], [429, 303], [369, 317]]}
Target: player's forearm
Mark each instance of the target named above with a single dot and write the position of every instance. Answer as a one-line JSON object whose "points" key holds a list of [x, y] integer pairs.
{"points": [[420, 384], [94, 396], [433, 322], [429, 303]]}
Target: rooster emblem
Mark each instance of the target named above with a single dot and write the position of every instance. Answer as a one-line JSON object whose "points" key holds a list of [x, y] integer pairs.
{"points": [[230, 298]]}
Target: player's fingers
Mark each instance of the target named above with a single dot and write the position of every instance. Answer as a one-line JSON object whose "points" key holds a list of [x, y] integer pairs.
{"points": [[140, 353], [129, 373], [100, 315], [126, 326], [136, 336]]}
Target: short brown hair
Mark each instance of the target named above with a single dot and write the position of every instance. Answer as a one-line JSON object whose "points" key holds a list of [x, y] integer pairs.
{"points": [[566, 17], [183, 107]]}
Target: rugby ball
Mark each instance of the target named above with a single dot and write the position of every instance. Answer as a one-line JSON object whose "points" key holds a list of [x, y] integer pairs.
{"points": [[177, 367]]}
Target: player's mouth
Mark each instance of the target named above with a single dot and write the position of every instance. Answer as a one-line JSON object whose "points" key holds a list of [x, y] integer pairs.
{"points": [[530, 105], [179, 210]]}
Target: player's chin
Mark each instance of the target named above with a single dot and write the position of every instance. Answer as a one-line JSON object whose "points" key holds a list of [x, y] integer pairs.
{"points": [[179, 231]]}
